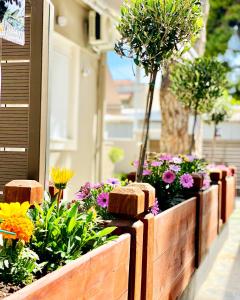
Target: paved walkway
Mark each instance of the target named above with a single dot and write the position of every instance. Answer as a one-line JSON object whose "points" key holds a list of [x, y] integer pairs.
{"points": [[223, 282]]}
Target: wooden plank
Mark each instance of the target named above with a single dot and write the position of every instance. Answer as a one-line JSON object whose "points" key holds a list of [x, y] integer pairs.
{"points": [[13, 165], [14, 127], [174, 250], [15, 83], [208, 216]]}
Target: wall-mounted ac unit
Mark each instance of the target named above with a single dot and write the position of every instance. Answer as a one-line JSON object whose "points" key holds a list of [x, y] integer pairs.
{"points": [[102, 32]]}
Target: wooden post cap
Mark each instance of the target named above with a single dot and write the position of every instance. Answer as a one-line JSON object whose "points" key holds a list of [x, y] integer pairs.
{"points": [[126, 201], [215, 176], [22, 191], [224, 174], [233, 170], [197, 181], [149, 192]]}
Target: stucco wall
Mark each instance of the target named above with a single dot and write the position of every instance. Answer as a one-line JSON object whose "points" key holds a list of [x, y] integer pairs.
{"points": [[82, 158]]}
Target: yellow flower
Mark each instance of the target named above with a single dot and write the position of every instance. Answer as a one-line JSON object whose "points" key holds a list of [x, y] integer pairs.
{"points": [[11, 210], [61, 177], [22, 226]]}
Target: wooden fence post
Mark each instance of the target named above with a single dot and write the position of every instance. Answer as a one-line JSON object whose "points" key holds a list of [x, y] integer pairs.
{"points": [[129, 204]]}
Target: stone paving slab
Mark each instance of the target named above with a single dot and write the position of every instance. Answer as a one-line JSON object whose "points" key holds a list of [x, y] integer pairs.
{"points": [[223, 282]]}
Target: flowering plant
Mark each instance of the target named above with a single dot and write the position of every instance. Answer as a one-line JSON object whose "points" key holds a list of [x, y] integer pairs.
{"points": [[172, 176], [97, 196], [63, 234], [18, 263]]}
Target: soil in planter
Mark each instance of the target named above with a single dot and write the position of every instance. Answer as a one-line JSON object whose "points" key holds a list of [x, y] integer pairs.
{"points": [[7, 289]]}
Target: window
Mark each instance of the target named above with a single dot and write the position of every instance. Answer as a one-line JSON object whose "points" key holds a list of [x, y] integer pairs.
{"points": [[64, 93]]}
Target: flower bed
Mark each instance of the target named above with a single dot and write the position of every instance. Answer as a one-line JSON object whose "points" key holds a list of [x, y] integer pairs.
{"points": [[39, 240], [173, 177]]}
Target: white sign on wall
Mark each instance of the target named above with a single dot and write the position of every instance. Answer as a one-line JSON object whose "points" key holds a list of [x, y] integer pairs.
{"points": [[12, 21]]}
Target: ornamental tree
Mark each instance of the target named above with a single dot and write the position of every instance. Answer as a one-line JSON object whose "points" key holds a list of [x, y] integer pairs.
{"points": [[152, 32], [221, 112], [198, 84]]}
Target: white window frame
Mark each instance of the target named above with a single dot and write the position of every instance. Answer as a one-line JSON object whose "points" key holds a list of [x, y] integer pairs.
{"points": [[66, 47]]}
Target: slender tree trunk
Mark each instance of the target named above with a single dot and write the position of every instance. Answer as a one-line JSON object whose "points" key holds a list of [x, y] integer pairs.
{"points": [[214, 143], [192, 146], [146, 126], [174, 127]]}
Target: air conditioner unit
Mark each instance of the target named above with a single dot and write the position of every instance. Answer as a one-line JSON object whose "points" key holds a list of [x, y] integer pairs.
{"points": [[102, 32]]}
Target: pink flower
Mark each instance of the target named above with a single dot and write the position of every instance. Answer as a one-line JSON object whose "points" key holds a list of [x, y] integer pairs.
{"points": [[206, 183], [174, 168], [166, 157], [136, 163], [168, 176], [186, 181], [147, 172], [113, 181], [103, 200], [155, 209], [156, 163], [177, 160]]}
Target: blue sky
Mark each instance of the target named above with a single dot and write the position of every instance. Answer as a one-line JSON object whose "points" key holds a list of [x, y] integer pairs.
{"points": [[120, 68], [124, 68]]}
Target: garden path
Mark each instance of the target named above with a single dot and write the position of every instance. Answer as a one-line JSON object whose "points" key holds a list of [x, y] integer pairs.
{"points": [[223, 282]]}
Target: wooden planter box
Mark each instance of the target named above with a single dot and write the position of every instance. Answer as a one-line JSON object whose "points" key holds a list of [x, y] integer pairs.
{"points": [[100, 274], [170, 260], [207, 221], [228, 193]]}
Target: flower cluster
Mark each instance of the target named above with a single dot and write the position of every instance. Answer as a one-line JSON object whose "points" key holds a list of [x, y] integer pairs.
{"points": [[96, 196], [14, 219], [172, 176]]}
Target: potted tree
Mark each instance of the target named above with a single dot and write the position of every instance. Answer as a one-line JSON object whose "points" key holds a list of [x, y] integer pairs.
{"points": [[152, 32], [198, 84]]}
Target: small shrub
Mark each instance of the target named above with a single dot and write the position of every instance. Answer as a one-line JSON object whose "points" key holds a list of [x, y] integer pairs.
{"points": [[116, 154]]}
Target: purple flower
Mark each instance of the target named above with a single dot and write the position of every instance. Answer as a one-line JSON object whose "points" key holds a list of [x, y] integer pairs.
{"points": [[155, 209], [113, 181], [174, 168], [206, 183], [186, 180], [177, 160], [190, 158], [103, 200], [84, 191], [147, 172], [156, 163], [166, 157], [136, 163], [98, 185], [168, 176], [81, 196]]}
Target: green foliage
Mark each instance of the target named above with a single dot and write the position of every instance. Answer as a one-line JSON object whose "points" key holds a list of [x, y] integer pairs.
{"points": [[222, 110], [198, 84], [116, 154], [223, 16], [153, 30], [18, 264], [63, 235]]}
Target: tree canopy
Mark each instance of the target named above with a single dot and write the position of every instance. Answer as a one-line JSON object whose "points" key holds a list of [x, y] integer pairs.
{"points": [[223, 17], [198, 84], [154, 30]]}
